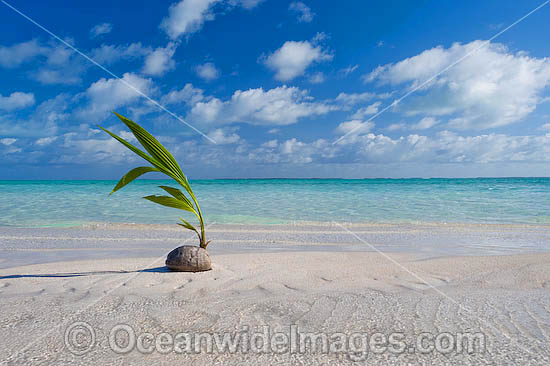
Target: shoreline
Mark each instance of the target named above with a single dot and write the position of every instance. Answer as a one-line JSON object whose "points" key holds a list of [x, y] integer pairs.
{"points": [[24, 246], [298, 224]]}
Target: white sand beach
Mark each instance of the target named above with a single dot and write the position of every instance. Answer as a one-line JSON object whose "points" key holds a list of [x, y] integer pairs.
{"points": [[286, 279]]}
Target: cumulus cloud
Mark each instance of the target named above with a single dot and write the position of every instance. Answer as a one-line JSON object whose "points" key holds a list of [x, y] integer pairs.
{"points": [[304, 12], [57, 76], [425, 123], [317, 78], [107, 54], [247, 4], [62, 66], [7, 147], [45, 141], [43, 121], [17, 54], [58, 64], [396, 126], [16, 100], [160, 61], [7, 141], [354, 127], [279, 106], [367, 111], [491, 87], [78, 149], [54, 63], [351, 99], [103, 28], [207, 71], [445, 147], [188, 95], [106, 95], [187, 16], [223, 136], [293, 58]]}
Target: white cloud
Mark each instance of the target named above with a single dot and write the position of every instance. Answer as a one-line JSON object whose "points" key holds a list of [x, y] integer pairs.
{"points": [[63, 66], [223, 136], [545, 127], [490, 88], [367, 111], [207, 71], [446, 147], [107, 54], [58, 76], [354, 127], [78, 150], [425, 123], [7, 141], [16, 100], [106, 95], [188, 95], [270, 143], [187, 16], [17, 54], [352, 99], [6, 146], [100, 29], [292, 151], [279, 106], [348, 70], [247, 4], [44, 120], [396, 126], [45, 141], [317, 78], [304, 12], [55, 63], [160, 61], [293, 58]]}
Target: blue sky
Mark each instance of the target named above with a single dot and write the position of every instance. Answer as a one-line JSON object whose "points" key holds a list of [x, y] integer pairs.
{"points": [[275, 84]]}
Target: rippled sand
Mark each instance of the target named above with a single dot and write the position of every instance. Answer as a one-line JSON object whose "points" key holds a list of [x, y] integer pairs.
{"points": [[48, 310]]}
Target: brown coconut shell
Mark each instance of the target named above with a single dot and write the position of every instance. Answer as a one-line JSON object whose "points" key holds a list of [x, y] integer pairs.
{"points": [[189, 258]]}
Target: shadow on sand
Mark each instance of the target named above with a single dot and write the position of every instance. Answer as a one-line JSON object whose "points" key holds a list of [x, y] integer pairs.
{"points": [[162, 269]]}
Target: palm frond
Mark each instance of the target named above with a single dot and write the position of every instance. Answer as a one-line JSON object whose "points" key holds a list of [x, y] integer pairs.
{"points": [[155, 148]]}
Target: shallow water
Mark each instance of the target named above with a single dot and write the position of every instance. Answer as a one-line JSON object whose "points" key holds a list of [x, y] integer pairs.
{"points": [[276, 201]]}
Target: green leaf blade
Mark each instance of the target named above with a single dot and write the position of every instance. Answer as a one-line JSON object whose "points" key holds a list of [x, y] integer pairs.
{"points": [[132, 175], [176, 193], [170, 202], [187, 225]]}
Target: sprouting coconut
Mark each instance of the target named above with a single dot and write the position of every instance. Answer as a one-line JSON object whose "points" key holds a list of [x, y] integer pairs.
{"points": [[186, 258]]}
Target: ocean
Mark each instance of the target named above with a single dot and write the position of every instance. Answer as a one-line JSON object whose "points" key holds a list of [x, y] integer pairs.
{"points": [[280, 201]]}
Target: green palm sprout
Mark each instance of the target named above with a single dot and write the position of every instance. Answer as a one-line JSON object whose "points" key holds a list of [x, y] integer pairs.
{"points": [[162, 161]]}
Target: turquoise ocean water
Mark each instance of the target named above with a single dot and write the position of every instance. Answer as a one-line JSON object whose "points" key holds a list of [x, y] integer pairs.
{"points": [[276, 201]]}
